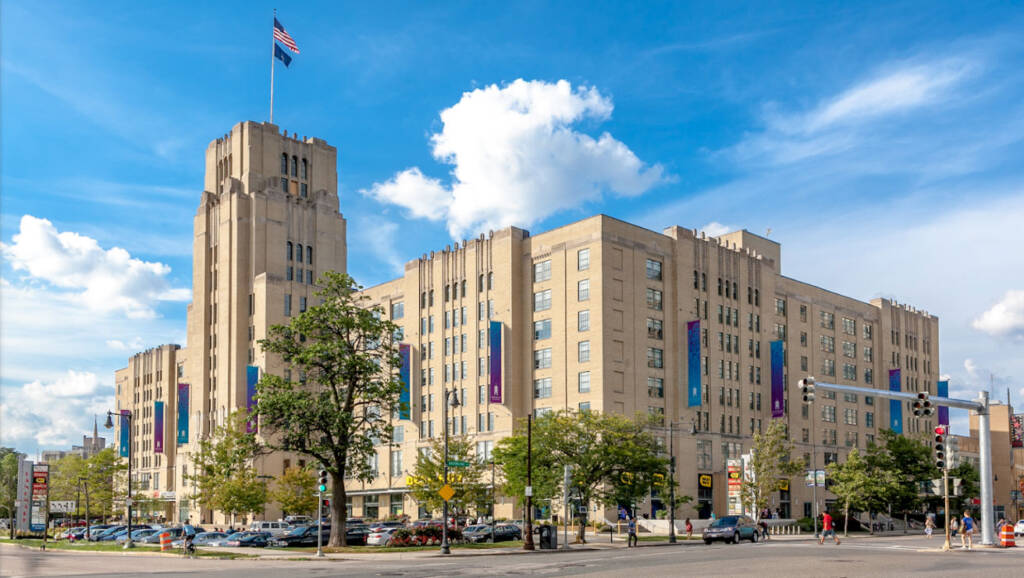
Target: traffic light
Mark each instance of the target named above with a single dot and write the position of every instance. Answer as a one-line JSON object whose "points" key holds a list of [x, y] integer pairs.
{"points": [[922, 405], [323, 481], [940, 447], [327, 503], [807, 389]]}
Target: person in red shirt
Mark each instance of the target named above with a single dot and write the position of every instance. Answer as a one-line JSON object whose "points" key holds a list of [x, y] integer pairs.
{"points": [[827, 529]]}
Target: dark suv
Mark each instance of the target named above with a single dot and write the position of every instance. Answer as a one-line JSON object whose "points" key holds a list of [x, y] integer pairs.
{"points": [[731, 529]]}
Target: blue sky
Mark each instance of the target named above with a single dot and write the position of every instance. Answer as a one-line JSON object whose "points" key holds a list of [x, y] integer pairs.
{"points": [[881, 143]]}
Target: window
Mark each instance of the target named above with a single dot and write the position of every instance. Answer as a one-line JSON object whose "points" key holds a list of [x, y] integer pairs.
{"points": [[849, 326], [803, 363], [703, 454], [490, 281], [828, 320], [290, 246], [583, 290], [869, 419], [780, 306], [868, 376], [850, 371], [542, 388], [656, 387], [483, 451], [542, 300], [542, 329], [828, 367], [583, 320], [654, 299], [867, 354], [850, 416], [654, 330], [780, 331], [284, 163], [295, 166], [584, 351], [309, 276], [480, 283], [396, 461], [866, 331], [850, 349], [305, 169], [850, 397], [287, 305], [803, 338], [290, 274], [653, 269], [584, 406], [655, 357], [542, 271], [284, 184], [851, 439], [542, 358], [583, 259], [398, 310], [803, 313], [304, 189], [828, 413], [828, 343], [584, 381], [302, 304]]}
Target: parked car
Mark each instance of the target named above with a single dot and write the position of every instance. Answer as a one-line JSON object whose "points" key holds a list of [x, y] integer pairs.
{"points": [[137, 535], [274, 528], [731, 529], [250, 540], [97, 536], [223, 541], [300, 536], [377, 526], [380, 537], [1018, 530], [298, 520], [201, 539], [154, 538]]}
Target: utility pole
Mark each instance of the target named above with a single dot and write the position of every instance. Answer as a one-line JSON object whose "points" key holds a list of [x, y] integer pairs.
{"points": [[528, 538], [672, 483], [945, 496], [566, 478], [492, 499]]}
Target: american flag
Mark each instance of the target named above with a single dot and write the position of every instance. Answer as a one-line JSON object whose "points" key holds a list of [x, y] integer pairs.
{"points": [[282, 36]]}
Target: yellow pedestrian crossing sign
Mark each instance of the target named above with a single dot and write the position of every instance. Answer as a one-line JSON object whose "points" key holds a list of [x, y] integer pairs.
{"points": [[446, 492]]}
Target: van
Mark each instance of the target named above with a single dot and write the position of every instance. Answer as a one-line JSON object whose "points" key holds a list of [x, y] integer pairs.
{"points": [[274, 528]]}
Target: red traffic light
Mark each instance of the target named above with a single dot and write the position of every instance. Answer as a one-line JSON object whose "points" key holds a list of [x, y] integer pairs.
{"points": [[941, 430]]}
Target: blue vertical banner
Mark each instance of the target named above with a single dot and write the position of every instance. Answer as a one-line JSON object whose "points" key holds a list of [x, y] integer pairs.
{"points": [[693, 363], [252, 377], [495, 352], [895, 405], [125, 433], [403, 376], [182, 427], [942, 390], [158, 427], [778, 381]]}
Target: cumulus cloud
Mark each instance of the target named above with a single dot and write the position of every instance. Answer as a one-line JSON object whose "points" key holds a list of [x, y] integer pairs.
{"points": [[53, 414], [714, 229], [105, 281], [117, 344], [1005, 318], [517, 157]]}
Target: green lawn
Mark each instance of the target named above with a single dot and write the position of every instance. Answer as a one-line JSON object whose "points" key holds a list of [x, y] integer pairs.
{"points": [[109, 547], [381, 549]]}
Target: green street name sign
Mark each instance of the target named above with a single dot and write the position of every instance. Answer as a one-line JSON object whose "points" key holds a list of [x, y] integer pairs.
{"points": [[457, 464]]}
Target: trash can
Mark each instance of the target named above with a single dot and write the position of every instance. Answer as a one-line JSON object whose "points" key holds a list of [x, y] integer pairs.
{"points": [[548, 537]]}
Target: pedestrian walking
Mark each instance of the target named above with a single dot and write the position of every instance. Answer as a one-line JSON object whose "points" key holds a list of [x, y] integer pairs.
{"points": [[764, 529], [953, 527], [631, 539], [689, 529], [827, 529], [967, 532], [929, 526]]}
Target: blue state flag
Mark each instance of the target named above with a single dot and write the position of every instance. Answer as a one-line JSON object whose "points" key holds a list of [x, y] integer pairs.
{"points": [[281, 55]]}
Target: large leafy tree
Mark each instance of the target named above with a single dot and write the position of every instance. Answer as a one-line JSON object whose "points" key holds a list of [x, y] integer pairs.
{"points": [[224, 476], [859, 486], [8, 484], [346, 359], [100, 473], [769, 466], [427, 479], [599, 448], [295, 491], [910, 460]]}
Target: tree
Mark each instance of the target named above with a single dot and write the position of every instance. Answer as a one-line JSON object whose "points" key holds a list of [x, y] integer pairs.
{"points": [[859, 486], [295, 491], [224, 475], [428, 478], [769, 465], [346, 359], [969, 486], [598, 447], [910, 461], [99, 474], [8, 484]]}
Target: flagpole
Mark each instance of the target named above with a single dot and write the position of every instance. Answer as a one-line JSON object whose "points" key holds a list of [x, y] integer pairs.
{"points": [[272, 45]]}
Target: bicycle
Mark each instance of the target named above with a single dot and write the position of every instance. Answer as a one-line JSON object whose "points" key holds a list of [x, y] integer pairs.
{"points": [[188, 549]]}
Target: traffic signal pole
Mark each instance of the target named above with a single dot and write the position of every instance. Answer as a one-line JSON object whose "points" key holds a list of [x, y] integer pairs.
{"points": [[979, 406], [945, 494]]}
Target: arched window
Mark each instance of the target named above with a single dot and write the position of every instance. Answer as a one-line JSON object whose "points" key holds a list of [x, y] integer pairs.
{"points": [[696, 279], [447, 293], [309, 254], [298, 252], [431, 297], [704, 282], [735, 290], [305, 168], [295, 166], [284, 163], [455, 291], [423, 300], [490, 280], [481, 285], [463, 287], [289, 250]]}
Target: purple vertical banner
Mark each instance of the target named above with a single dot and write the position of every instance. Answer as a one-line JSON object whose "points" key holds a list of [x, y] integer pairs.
{"points": [[495, 351], [125, 432], [403, 376], [778, 382], [252, 377], [942, 390], [895, 405], [158, 427], [183, 409], [693, 363]]}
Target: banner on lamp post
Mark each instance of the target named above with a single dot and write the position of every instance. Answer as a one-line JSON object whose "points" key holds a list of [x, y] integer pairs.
{"points": [[895, 405], [403, 376], [183, 392], [158, 427], [778, 384], [495, 352], [693, 364]]}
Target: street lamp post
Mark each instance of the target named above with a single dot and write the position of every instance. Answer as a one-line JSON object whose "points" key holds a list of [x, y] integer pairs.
{"points": [[126, 414], [672, 477], [492, 500], [450, 398], [85, 485]]}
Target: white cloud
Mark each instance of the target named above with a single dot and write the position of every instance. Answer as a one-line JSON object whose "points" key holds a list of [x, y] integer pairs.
{"points": [[376, 237], [102, 280], [971, 368], [1005, 318], [117, 344], [517, 157], [714, 229], [52, 414]]}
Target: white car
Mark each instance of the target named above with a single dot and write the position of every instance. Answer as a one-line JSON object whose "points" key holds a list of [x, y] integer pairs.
{"points": [[274, 528], [1018, 530], [380, 538]]}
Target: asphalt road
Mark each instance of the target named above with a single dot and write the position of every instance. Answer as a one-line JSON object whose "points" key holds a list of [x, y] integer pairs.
{"points": [[893, 556]]}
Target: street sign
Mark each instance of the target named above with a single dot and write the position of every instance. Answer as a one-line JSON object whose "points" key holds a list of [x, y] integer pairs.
{"points": [[446, 492], [457, 464], [63, 507], [529, 491]]}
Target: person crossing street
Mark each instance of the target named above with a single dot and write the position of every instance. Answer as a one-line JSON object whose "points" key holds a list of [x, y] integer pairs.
{"points": [[827, 529]]}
